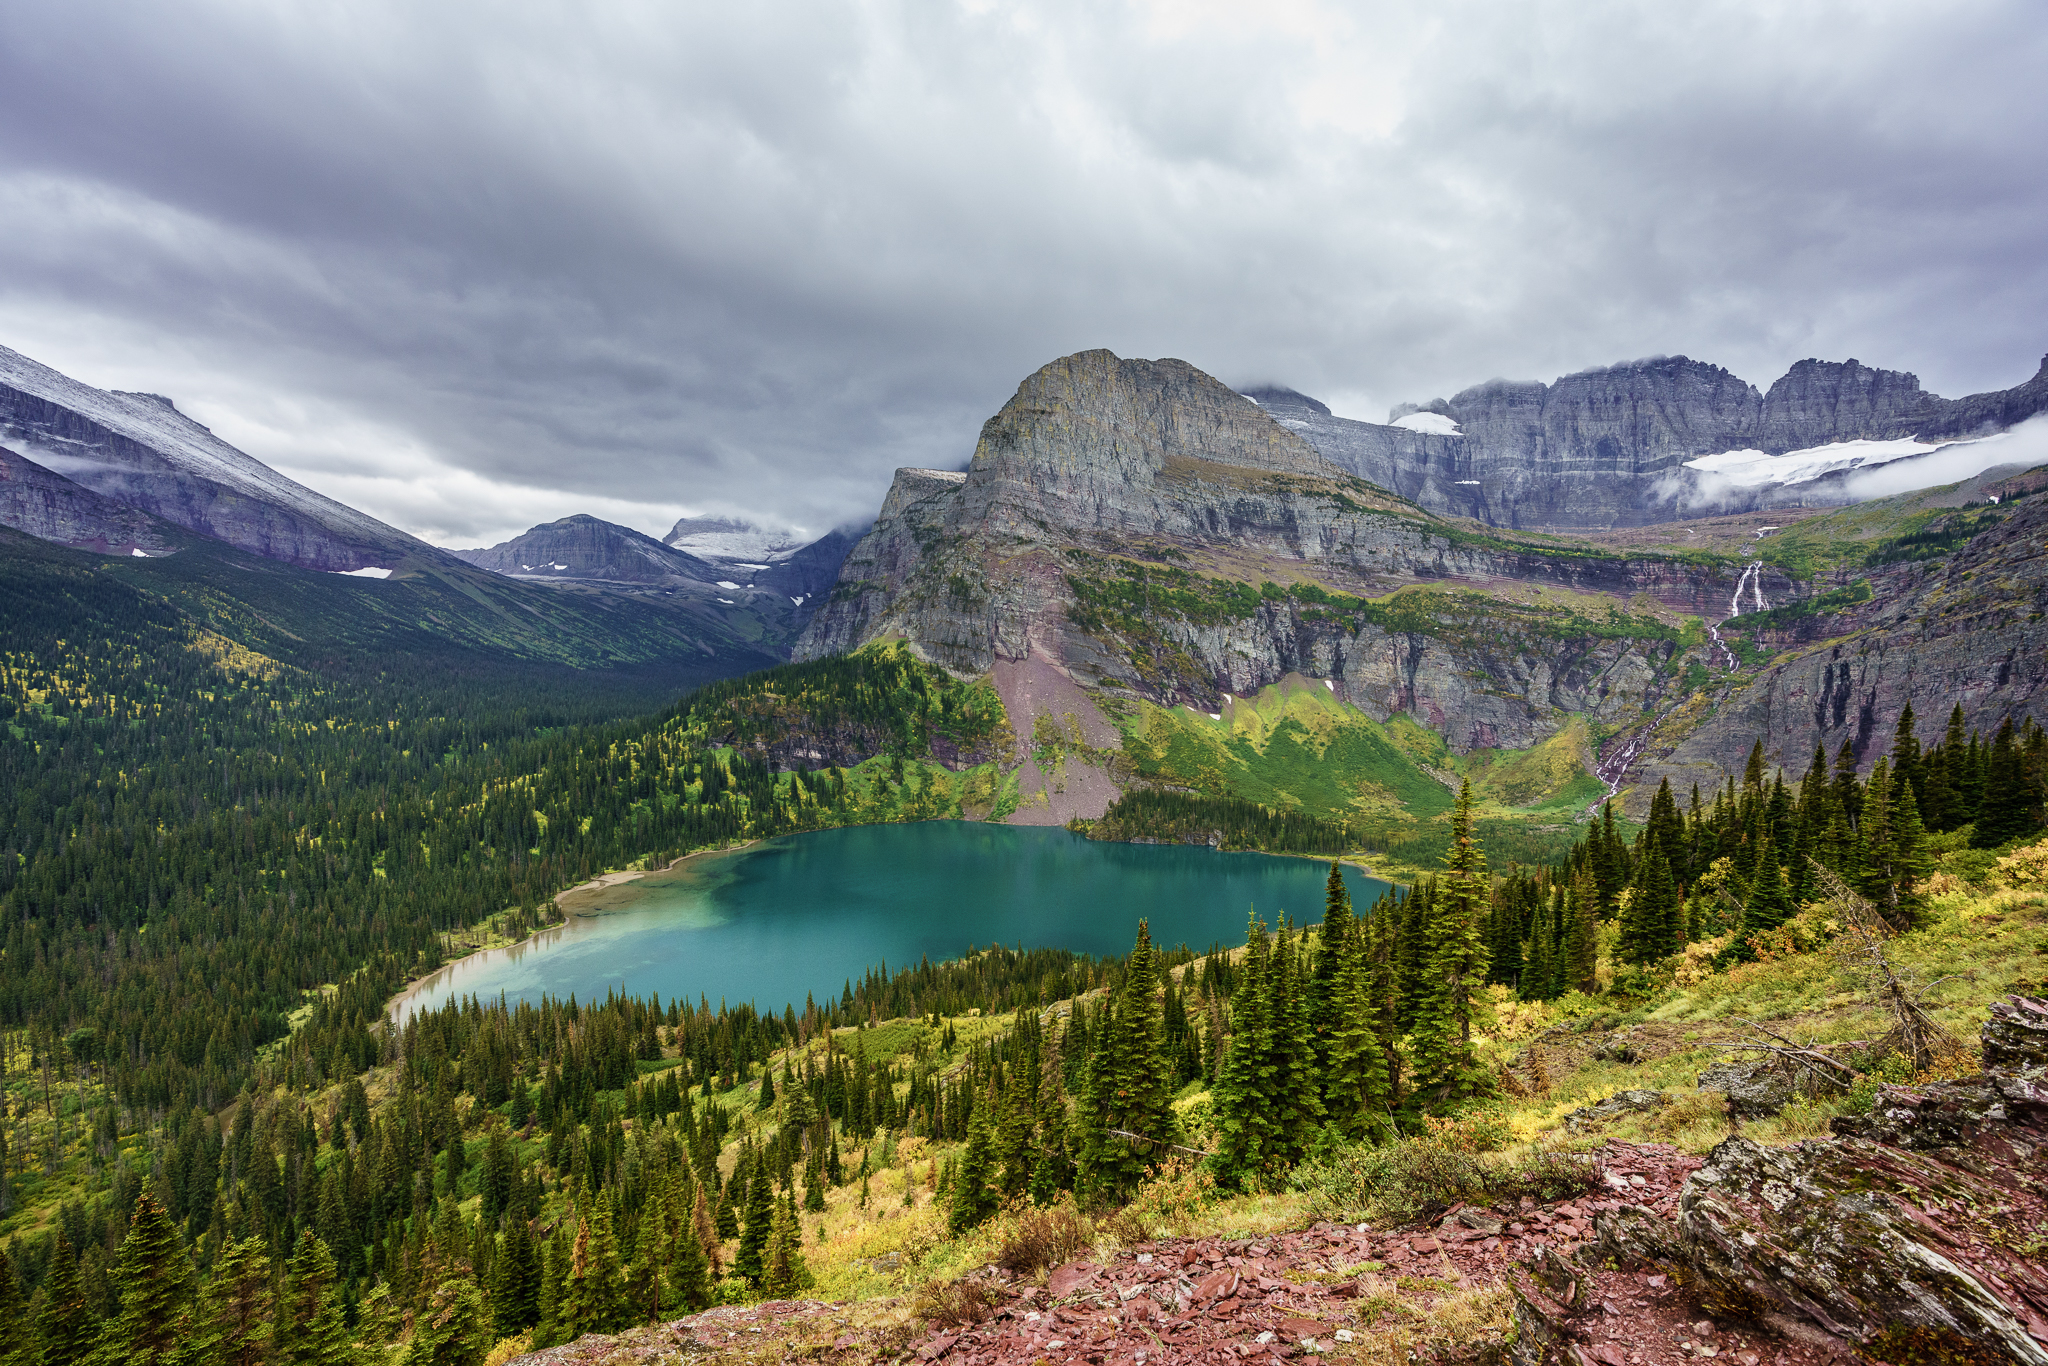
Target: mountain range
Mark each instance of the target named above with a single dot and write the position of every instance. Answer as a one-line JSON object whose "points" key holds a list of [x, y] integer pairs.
{"points": [[1655, 440], [1175, 584]]}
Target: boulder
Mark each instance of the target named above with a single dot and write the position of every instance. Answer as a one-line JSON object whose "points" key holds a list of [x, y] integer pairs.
{"points": [[1755, 1090], [1619, 1104], [1914, 1235], [2016, 1036]]}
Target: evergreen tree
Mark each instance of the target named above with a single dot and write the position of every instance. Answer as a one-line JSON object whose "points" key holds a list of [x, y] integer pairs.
{"points": [[593, 1297], [1354, 1074], [689, 1267], [306, 1327], [17, 1344], [2006, 810], [453, 1329], [1296, 1094], [554, 1273], [231, 1325], [66, 1325], [973, 1196], [1769, 903], [515, 1287], [786, 1276], [1446, 1067], [1245, 1125], [748, 1263], [155, 1285], [1130, 1086]]}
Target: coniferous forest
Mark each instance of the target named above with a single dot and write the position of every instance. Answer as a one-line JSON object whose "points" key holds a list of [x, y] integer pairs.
{"points": [[219, 866]]}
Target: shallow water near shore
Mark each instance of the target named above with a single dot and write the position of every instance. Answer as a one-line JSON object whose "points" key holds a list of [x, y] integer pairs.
{"points": [[803, 914]]}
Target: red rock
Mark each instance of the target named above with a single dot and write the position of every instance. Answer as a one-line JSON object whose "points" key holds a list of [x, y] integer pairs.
{"points": [[1071, 1277]]}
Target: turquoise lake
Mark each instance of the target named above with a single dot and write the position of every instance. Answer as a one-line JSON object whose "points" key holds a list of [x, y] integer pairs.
{"points": [[803, 914]]}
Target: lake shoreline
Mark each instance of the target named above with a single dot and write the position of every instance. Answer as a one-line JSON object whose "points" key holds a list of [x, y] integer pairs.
{"points": [[599, 883], [574, 953]]}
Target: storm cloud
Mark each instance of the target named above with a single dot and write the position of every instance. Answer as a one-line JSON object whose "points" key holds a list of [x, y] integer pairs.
{"points": [[470, 266]]}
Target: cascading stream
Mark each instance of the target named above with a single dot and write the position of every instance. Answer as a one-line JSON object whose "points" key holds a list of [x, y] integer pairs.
{"points": [[1611, 769]]}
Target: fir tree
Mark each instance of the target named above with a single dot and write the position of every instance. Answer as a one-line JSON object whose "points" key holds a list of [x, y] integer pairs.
{"points": [[65, 1326], [1446, 1067], [747, 1263], [689, 1265], [1130, 1086], [786, 1276], [593, 1297], [306, 1327], [453, 1329], [1355, 1091], [973, 1197], [515, 1286], [1245, 1125], [2007, 809], [17, 1345], [554, 1272], [1296, 1094], [155, 1285], [231, 1325]]}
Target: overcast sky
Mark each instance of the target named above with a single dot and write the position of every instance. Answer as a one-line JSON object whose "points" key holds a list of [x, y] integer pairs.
{"points": [[472, 266]]}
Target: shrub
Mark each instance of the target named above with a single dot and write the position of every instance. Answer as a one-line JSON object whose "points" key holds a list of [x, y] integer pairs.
{"points": [[1419, 1178], [955, 1304], [1043, 1239]]}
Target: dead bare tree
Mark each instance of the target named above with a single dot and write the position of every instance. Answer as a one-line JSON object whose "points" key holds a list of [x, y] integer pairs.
{"points": [[1914, 1034]]}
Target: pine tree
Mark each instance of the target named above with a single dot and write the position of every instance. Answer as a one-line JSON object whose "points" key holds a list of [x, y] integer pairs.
{"points": [[973, 1197], [1769, 903], [453, 1329], [747, 1263], [232, 1322], [306, 1327], [1245, 1124], [1130, 1086], [515, 1288], [155, 1285], [65, 1326], [1446, 1067], [786, 1275]]}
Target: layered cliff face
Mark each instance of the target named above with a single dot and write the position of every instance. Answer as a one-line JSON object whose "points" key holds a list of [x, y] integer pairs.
{"points": [[1142, 532], [1969, 628], [50, 507], [1118, 521], [1608, 447], [139, 451]]}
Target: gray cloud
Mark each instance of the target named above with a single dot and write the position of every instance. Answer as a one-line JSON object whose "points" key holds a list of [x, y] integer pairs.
{"points": [[472, 265]]}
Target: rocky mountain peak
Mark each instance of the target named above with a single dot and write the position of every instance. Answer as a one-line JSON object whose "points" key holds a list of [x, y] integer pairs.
{"points": [[1093, 431]]}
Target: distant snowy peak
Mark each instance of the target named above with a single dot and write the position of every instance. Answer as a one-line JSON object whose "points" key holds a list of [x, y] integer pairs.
{"points": [[728, 540]]}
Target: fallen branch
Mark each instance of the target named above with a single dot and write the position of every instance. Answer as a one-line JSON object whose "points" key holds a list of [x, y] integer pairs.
{"points": [[1142, 1138]]}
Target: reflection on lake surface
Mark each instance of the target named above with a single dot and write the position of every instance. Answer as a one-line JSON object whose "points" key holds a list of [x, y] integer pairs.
{"points": [[803, 914]]}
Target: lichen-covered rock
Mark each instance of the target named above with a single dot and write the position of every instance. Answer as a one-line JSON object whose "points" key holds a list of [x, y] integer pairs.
{"points": [[1755, 1090], [2016, 1036], [1864, 1240], [1621, 1103]]}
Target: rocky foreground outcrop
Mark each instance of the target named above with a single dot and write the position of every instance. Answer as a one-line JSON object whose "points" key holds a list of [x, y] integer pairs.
{"points": [[1918, 1234]]}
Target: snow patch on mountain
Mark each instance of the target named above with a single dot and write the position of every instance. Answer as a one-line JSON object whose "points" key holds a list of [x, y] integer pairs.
{"points": [[728, 540], [1436, 424], [1752, 469]]}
